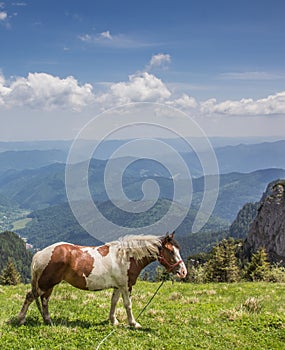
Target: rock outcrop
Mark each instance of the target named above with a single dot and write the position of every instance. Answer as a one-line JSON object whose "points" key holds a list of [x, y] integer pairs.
{"points": [[268, 228]]}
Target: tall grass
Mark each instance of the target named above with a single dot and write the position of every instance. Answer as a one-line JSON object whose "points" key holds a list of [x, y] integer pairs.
{"points": [[181, 316]]}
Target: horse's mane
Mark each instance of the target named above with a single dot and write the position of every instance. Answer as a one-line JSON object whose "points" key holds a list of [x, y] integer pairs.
{"points": [[137, 246]]}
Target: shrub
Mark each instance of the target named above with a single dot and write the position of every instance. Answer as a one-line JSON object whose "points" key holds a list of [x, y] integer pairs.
{"points": [[276, 274], [258, 268], [10, 275], [197, 274]]}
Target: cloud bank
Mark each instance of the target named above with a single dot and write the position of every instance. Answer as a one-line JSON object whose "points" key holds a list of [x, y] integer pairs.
{"points": [[270, 105], [48, 92], [45, 91]]}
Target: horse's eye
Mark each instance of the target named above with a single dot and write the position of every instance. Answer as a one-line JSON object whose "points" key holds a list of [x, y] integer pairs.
{"points": [[171, 252]]}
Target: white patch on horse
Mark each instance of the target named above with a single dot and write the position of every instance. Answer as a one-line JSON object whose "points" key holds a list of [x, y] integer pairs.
{"points": [[182, 270], [100, 276], [136, 247]]}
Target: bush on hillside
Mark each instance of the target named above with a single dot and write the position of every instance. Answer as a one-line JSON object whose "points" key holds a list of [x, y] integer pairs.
{"points": [[9, 275]]}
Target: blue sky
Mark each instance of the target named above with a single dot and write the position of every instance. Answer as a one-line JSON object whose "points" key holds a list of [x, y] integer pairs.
{"points": [[62, 62]]}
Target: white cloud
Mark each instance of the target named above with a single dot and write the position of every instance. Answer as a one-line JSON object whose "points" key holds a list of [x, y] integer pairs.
{"points": [[106, 35], [44, 91], [48, 92], [158, 60], [140, 87], [184, 102], [270, 105], [3, 16], [3, 90], [113, 40]]}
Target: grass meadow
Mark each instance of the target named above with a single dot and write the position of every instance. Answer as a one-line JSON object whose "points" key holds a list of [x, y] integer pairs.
{"points": [[181, 316]]}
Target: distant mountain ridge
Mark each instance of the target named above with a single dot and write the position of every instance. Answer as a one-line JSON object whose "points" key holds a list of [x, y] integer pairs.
{"points": [[243, 158], [35, 180], [57, 222], [40, 188], [44, 145], [21, 160], [35, 188], [251, 157], [231, 158]]}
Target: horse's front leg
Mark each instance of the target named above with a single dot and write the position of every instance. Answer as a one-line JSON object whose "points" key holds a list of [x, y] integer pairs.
{"points": [[114, 300], [128, 306]]}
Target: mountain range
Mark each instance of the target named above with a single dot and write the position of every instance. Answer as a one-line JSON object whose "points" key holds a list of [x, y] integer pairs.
{"points": [[40, 188], [34, 180], [231, 158]]}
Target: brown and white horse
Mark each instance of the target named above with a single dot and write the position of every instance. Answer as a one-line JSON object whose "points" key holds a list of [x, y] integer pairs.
{"points": [[113, 265]]}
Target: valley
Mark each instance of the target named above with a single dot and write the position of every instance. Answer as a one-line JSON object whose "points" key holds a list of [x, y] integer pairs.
{"points": [[33, 199]]}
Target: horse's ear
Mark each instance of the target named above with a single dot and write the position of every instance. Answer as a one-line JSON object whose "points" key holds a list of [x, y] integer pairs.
{"points": [[169, 237]]}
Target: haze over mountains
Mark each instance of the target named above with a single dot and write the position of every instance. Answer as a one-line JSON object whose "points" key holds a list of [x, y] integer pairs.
{"points": [[235, 157], [34, 179]]}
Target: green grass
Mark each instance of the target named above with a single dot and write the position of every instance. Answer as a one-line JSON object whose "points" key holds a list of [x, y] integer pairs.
{"points": [[181, 316], [20, 224]]}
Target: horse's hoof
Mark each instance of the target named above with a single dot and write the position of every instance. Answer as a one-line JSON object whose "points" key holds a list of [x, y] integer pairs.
{"points": [[48, 322], [21, 321], [136, 325], [115, 322]]}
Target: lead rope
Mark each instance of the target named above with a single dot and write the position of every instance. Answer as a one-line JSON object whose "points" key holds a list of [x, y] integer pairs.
{"points": [[143, 309]]}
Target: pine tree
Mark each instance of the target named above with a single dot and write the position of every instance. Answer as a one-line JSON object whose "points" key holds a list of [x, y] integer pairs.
{"points": [[258, 268], [223, 264], [10, 275]]}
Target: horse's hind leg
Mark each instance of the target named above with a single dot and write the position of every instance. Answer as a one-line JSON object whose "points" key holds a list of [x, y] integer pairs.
{"points": [[45, 299], [114, 300], [29, 299]]}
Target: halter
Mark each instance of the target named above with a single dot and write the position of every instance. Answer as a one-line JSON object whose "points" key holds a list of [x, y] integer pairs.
{"points": [[170, 267]]}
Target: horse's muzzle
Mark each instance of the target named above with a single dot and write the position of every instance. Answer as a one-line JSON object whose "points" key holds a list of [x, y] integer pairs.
{"points": [[182, 272]]}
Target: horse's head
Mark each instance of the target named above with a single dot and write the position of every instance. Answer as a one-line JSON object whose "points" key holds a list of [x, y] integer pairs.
{"points": [[169, 256]]}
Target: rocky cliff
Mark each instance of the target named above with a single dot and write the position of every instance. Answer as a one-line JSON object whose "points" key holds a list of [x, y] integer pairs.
{"points": [[268, 228]]}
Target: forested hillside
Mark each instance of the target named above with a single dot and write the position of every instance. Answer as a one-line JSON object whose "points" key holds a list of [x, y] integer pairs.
{"points": [[57, 223], [14, 248], [240, 226], [25, 185], [40, 188]]}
